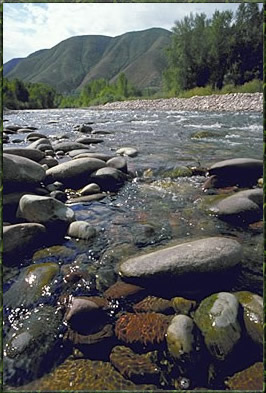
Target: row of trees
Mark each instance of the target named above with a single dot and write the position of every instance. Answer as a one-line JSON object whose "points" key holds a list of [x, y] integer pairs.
{"points": [[100, 91], [22, 95], [225, 49]]}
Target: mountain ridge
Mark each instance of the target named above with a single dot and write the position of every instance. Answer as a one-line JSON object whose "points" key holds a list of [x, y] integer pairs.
{"points": [[77, 60]]}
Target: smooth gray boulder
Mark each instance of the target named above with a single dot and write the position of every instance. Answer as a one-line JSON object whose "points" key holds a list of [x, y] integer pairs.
{"points": [[109, 179], [238, 171], [49, 161], [100, 156], [77, 152], [34, 136], [21, 238], [41, 144], [44, 210], [244, 207], [90, 189], [127, 151], [118, 163], [88, 141], [81, 230], [84, 128], [68, 146], [31, 154], [74, 173], [20, 173], [198, 257]]}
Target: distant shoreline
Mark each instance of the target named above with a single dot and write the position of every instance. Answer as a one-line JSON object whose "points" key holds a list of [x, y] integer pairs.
{"points": [[248, 102]]}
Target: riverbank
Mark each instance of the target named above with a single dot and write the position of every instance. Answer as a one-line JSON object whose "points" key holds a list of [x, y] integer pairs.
{"points": [[220, 103]]}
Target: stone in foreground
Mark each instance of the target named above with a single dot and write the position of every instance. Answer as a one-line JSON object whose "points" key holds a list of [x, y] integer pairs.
{"points": [[241, 171], [74, 173], [210, 255], [20, 173], [44, 210]]}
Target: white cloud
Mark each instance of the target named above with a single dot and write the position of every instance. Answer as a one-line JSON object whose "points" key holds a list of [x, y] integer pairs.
{"points": [[32, 26]]}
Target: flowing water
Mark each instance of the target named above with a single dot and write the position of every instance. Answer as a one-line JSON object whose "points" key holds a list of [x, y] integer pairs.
{"points": [[156, 208]]}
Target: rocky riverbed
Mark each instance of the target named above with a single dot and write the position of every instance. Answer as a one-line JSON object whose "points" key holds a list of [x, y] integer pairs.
{"points": [[121, 276], [221, 102]]}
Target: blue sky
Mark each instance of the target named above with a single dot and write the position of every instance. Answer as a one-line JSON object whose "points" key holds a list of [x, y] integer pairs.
{"points": [[28, 27]]}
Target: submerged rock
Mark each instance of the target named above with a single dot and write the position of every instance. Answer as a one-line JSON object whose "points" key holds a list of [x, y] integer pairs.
{"points": [[84, 374], [145, 328], [217, 318], [30, 285], [250, 379], [138, 368], [19, 239], [123, 290], [154, 304], [214, 254], [32, 346]]}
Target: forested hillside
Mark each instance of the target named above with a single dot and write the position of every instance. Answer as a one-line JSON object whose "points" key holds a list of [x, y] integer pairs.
{"points": [[76, 61], [222, 54]]}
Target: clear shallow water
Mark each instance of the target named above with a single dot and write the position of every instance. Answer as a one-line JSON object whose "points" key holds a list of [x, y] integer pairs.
{"points": [[152, 210], [156, 209]]}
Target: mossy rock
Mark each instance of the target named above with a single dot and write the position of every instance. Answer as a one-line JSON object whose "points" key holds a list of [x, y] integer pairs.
{"points": [[182, 305], [250, 379], [204, 134], [84, 374], [216, 317], [30, 284], [53, 253], [181, 171], [138, 368], [180, 338], [253, 314]]}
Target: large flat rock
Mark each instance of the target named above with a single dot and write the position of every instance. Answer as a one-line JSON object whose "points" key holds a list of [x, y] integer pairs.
{"points": [[210, 255], [20, 173], [238, 171], [74, 173]]}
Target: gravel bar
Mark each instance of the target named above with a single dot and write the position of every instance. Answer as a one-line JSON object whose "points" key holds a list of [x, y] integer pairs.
{"points": [[217, 102]]}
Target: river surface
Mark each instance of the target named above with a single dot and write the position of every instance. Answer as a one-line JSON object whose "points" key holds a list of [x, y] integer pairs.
{"points": [[155, 208]]}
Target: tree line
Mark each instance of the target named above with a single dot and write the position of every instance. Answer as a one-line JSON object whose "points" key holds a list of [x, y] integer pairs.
{"points": [[222, 50], [216, 54], [22, 95]]}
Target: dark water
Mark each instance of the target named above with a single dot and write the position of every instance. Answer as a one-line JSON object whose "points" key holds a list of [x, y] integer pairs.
{"points": [[154, 209]]}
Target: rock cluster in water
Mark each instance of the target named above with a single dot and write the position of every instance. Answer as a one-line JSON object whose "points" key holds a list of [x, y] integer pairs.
{"points": [[126, 337]]}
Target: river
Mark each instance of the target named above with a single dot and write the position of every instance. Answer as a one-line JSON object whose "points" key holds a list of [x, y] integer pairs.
{"points": [[156, 208]]}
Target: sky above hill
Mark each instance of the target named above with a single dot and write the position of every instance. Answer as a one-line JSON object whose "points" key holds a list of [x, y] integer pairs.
{"points": [[28, 27]]}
